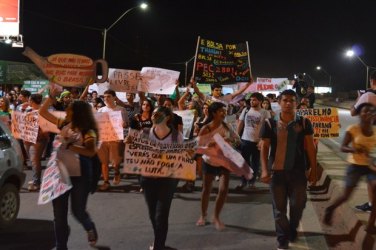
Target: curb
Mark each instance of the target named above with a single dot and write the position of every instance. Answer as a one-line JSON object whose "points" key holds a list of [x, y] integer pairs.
{"points": [[328, 190]]}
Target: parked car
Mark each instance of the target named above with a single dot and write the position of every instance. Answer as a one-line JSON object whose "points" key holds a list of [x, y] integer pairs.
{"points": [[12, 176]]}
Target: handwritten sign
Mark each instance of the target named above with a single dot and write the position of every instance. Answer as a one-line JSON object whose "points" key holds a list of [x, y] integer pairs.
{"points": [[124, 80], [110, 125], [69, 70], [188, 117], [149, 158], [325, 121], [55, 181], [221, 62], [34, 86], [25, 126], [158, 81]]}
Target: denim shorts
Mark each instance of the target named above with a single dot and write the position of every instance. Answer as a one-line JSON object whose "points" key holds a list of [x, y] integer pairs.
{"points": [[354, 172]]}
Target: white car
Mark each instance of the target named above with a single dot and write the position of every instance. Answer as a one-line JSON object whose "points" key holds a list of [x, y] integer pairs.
{"points": [[12, 176]]}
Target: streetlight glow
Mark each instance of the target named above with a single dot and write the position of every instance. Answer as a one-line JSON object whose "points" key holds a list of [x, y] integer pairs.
{"points": [[318, 67], [350, 53], [143, 6], [322, 69]]}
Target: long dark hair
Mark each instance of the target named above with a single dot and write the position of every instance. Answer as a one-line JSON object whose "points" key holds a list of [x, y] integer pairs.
{"points": [[150, 104], [83, 118]]}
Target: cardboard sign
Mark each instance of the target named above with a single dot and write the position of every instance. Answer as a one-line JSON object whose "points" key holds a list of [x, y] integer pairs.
{"points": [[55, 181], [149, 158], [221, 62], [110, 125], [223, 154], [158, 81], [124, 80], [25, 125], [325, 121], [188, 117]]}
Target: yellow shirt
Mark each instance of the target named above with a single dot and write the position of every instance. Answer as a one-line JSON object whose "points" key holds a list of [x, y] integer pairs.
{"points": [[361, 141]]}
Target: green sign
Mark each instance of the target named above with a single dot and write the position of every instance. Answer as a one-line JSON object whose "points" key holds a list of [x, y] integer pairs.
{"points": [[35, 86], [17, 73]]}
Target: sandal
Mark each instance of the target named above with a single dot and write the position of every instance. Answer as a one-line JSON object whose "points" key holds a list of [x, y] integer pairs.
{"points": [[219, 225]]}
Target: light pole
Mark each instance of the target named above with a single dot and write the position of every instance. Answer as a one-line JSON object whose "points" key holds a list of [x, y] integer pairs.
{"points": [[330, 77], [351, 53], [142, 6], [313, 80]]}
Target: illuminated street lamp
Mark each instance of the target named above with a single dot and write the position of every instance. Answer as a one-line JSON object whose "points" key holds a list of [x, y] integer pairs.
{"points": [[330, 77], [351, 53], [142, 6]]}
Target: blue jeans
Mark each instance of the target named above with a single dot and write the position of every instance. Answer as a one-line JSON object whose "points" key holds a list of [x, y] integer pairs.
{"points": [[159, 193], [249, 149], [288, 186], [79, 195]]}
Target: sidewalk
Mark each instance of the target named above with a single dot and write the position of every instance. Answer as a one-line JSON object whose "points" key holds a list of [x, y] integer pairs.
{"points": [[347, 231]]}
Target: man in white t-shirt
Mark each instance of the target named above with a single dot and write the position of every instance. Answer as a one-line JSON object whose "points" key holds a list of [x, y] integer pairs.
{"points": [[111, 151], [370, 97], [250, 122]]}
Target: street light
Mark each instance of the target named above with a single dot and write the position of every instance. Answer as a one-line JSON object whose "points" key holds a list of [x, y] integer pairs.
{"points": [[142, 6], [351, 53], [330, 77], [313, 80]]}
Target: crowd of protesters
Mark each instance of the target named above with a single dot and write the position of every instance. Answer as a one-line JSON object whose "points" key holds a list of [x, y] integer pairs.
{"points": [[267, 132]]}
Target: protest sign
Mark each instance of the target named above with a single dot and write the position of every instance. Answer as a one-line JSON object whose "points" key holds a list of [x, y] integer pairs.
{"points": [[325, 121], [124, 80], [25, 125], [223, 154], [36, 86], [151, 159], [110, 125], [158, 81], [188, 117], [69, 70], [221, 62], [55, 181], [48, 126]]}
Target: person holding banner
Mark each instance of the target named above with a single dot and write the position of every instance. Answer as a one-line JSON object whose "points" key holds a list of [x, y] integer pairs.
{"points": [[79, 134], [215, 124], [35, 150], [112, 151], [158, 191]]}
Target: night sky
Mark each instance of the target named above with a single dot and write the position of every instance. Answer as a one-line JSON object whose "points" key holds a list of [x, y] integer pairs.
{"points": [[285, 37]]}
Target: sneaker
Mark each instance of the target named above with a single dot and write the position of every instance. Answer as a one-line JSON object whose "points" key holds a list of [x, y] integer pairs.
{"points": [[283, 246], [116, 180], [33, 187], [92, 237], [364, 207], [105, 186]]}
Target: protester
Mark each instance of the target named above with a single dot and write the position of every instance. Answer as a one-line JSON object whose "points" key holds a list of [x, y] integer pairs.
{"points": [[362, 137], [158, 191], [285, 137], [368, 97], [35, 150], [311, 96], [4, 106], [112, 151], [131, 106], [268, 107], [300, 87], [251, 121], [215, 124], [79, 134]]}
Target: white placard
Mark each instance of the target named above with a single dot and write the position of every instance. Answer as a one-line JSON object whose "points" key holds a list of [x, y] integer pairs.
{"points": [[158, 81]]}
